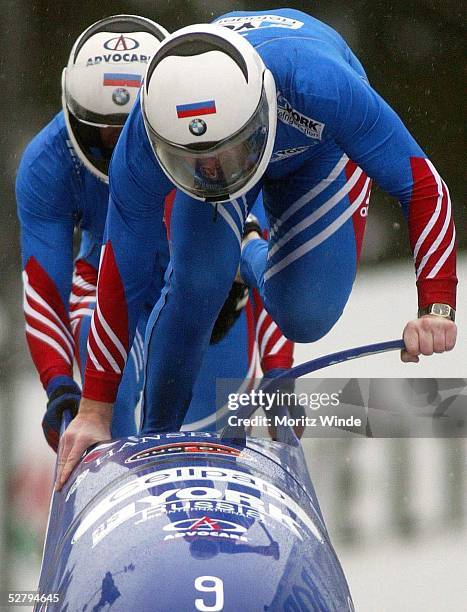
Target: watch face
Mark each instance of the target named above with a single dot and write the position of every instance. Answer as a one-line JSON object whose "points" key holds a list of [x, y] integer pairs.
{"points": [[443, 310]]}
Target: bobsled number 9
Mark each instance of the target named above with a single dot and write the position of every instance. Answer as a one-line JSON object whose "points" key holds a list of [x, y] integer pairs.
{"points": [[189, 521]]}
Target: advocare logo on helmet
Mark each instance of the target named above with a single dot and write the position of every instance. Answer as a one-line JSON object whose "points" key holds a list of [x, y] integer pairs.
{"points": [[121, 96], [114, 58], [121, 43], [197, 127]]}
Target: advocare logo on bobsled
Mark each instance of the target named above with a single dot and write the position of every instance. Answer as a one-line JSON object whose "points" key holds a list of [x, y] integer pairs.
{"points": [[205, 527], [121, 43]]}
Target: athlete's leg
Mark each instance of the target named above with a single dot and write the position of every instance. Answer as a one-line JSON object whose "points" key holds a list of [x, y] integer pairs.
{"points": [[228, 359], [306, 273], [205, 251]]}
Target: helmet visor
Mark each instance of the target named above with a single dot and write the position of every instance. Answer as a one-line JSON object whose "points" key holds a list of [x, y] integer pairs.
{"points": [[96, 143], [213, 171]]}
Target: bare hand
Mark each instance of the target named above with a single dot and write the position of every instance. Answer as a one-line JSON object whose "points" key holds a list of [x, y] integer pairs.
{"points": [[91, 425], [427, 335]]}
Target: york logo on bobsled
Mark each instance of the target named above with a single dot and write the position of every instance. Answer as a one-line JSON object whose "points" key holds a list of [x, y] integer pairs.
{"points": [[251, 493], [184, 447]]}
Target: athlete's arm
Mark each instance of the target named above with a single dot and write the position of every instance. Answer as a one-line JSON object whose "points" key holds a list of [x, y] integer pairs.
{"points": [[133, 234], [373, 136], [47, 218], [45, 213]]}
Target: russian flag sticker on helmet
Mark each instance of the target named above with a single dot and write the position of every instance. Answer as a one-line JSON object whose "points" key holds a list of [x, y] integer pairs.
{"points": [[210, 112]]}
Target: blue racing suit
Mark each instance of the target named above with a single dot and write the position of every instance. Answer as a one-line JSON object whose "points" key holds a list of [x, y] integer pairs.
{"points": [[334, 135], [56, 196]]}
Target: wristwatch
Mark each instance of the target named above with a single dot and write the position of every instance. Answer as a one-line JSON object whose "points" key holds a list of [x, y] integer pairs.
{"points": [[440, 310]]}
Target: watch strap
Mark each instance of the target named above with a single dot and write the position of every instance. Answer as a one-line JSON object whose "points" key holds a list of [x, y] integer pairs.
{"points": [[439, 310]]}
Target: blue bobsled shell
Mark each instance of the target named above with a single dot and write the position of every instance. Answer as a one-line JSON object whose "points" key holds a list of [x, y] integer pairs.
{"points": [[191, 521]]}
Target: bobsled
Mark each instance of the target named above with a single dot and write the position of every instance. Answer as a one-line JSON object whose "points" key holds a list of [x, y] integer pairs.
{"points": [[190, 521]]}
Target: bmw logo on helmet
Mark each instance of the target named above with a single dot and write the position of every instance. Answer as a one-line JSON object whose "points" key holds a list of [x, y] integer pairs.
{"points": [[198, 127], [121, 96]]}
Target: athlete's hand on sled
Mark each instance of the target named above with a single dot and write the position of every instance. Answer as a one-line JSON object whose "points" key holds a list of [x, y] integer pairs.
{"points": [[427, 335], [63, 394], [91, 425]]}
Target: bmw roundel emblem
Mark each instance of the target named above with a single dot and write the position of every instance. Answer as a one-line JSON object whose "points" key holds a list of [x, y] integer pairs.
{"points": [[121, 96], [197, 127]]}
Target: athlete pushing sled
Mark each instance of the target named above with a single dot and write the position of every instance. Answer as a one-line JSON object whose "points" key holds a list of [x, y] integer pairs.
{"points": [[62, 186], [263, 100]]}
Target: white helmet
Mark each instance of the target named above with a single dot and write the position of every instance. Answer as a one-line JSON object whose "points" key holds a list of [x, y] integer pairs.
{"points": [[210, 111], [101, 82]]}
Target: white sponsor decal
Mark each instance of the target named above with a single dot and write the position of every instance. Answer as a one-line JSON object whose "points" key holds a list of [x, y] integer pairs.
{"points": [[285, 153], [205, 527], [245, 24], [115, 58], [76, 483], [197, 498], [205, 523], [290, 116], [170, 499], [206, 534], [98, 456], [99, 453]]}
